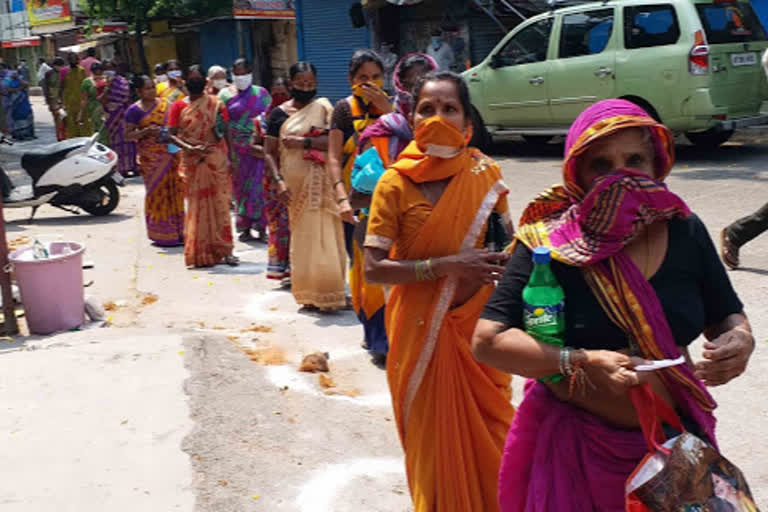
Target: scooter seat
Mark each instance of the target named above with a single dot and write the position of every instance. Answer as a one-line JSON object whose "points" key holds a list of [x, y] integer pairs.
{"points": [[39, 160]]}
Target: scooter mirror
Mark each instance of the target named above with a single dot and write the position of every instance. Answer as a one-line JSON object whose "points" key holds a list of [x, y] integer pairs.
{"points": [[91, 142]]}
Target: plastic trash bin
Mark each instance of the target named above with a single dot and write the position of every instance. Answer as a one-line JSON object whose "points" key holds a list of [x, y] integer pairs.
{"points": [[52, 288]]}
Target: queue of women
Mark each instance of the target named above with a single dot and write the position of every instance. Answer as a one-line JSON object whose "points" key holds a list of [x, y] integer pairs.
{"points": [[391, 188], [641, 276]]}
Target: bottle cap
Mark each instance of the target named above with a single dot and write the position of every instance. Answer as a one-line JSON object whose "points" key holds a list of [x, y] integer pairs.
{"points": [[541, 255]]}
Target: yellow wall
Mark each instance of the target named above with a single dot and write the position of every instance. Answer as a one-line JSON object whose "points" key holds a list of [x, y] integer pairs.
{"points": [[159, 45]]}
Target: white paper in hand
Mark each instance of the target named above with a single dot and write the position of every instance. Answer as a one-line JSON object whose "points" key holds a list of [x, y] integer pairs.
{"points": [[658, 365]]}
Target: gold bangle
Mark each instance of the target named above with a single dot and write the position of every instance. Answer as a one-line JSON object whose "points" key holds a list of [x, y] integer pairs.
{"points": [[337, 183], [342, 199], [423, 270], [418, 270], [430, 272]]}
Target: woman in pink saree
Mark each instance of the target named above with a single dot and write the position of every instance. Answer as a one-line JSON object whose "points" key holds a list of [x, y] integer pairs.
{"points": [[642, 280]]}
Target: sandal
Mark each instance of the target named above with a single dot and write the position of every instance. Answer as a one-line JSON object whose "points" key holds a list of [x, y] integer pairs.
{"points": [[232, 260], [729, 252]]}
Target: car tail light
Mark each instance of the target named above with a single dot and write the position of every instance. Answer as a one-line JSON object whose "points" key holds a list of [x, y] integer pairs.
{"points": [[698, 59]]}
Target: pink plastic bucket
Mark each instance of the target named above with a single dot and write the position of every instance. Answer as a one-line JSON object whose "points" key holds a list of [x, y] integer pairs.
{"points": [[51, 289]]}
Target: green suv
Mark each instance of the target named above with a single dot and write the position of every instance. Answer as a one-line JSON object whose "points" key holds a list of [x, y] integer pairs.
{"points": [[693, 64]]}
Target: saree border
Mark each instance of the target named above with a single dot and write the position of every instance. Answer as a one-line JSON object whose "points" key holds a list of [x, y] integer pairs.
{"points": [[445, 297]]}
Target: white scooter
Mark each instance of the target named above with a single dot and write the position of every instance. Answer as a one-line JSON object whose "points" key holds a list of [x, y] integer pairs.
{"points": [[75, 173]]}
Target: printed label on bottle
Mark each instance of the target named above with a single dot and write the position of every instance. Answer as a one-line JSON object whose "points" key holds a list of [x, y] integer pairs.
{"points": [[536, 317]]}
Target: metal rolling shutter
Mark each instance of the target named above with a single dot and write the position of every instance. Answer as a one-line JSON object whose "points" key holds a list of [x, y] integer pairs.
{"points": [[484, 35], [329, 40]]}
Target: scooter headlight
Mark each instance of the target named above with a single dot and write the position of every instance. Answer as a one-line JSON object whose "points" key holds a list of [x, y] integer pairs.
{"points": [[105, 158]]}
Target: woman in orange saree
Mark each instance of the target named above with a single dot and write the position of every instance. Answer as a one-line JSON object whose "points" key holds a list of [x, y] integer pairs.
{"points": [[427, 225], [197, 126]]}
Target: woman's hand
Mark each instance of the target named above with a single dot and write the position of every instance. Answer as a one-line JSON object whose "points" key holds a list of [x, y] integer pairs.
{"points": [[149, 131], [725, 357], [293, 142], [377, 97], [257, 150], [346, 212], [283, 192], [610, 370], [479, 265]]}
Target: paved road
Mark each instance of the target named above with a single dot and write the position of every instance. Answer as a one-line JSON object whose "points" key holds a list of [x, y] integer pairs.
{"points": [[263, 437]]}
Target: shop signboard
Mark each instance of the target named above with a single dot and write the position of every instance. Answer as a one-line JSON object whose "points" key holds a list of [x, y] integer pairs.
{"points": [[48, 12], [22, 43], [265, 9]]}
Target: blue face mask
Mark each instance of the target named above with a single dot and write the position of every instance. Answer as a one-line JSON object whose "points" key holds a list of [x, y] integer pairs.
{"points": [[436, 42]]}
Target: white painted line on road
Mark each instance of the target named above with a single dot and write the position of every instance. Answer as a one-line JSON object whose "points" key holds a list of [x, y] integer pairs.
{"points": [[318, 495], [258, 308], [282, 376]]}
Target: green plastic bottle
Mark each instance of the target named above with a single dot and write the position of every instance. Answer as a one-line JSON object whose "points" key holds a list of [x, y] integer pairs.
{"points": [[544, 304]]}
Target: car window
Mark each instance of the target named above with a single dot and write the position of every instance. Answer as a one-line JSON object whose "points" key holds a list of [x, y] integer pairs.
{"points": [[585, 33], [527, 46], [730, 22], [650, 25]]}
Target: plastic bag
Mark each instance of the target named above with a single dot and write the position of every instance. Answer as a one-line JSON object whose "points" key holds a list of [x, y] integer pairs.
{"points": [[367, 170], [684, 473]]}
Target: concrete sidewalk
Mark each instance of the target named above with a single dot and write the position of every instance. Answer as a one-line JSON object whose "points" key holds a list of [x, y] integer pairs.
{"points": [[93, 420]]}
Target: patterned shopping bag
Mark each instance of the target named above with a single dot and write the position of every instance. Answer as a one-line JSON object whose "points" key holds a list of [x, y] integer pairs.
{"points": [[682, 474]]}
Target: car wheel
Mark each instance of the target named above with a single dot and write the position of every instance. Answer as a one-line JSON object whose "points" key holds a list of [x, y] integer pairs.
{"points": [[537, 140], [710, 138], [481, 139], [640, 102]]}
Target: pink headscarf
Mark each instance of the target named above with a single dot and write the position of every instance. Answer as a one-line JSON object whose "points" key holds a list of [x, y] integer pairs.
{"points": [[606, 118], [404, 100]]}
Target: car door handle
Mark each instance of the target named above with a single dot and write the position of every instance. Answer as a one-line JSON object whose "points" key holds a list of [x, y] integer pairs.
{"points": [[537, 80], [604, 72]]}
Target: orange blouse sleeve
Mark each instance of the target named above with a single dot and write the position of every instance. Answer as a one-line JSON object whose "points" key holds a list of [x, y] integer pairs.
{"points": [[385, 212]]}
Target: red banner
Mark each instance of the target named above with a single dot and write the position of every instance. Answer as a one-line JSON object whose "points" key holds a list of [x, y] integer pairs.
{"points": [[264, 9], [22, 43]]}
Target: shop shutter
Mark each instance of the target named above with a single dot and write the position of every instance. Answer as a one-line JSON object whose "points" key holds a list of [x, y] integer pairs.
{"points": [[485, 34], [329, 40]]}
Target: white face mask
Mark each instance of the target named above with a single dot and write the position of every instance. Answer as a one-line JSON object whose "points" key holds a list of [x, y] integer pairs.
{"points": [[242, 82], [161, 78], [219, 83], [176, 73]]}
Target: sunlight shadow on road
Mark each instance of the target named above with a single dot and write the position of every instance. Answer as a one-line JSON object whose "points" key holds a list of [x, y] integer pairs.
{"points": [[336, 318], [752, 270], [743, 173], [246, 268], [169, 251], [68, 220]]}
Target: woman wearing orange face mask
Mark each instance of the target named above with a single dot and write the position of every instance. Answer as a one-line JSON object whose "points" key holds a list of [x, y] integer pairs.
{"points": [[425, 238]]}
